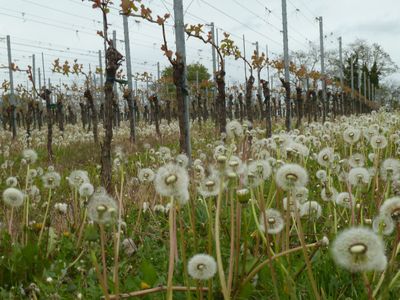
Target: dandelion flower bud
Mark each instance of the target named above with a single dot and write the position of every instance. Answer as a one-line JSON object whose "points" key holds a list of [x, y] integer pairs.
{"points": [[273, 221], [102, 208], [86, 189], [30, 156], [202, 267], [13, 197], [358, 249], [243, 195], [171, 180], [290, 176]]}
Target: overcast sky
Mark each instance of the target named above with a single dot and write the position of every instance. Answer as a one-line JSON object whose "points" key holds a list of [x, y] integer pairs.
{"points": [[66, 29]]}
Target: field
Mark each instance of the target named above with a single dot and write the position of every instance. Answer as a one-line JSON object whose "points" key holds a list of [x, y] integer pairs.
{"points": [[326, 195]]}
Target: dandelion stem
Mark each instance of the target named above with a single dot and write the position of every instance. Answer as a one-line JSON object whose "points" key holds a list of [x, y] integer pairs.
{"points": [[103, 255], [306, 257], [45, 217], [267, 261], [171, 249], [218, 246], [97, 269]]}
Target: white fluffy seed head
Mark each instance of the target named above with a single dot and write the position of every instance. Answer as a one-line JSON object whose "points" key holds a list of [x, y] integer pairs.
{"points": [[273, 221], [378, 142], [171, 180], [359, 176], [359, 249], [329, 194], [51, 180], [86, 189], [300, 194], [234, 130], [311, 210], [30, 156], [290, 176], [351, 135], [102, 208], [383, 224], [77, 177], [390, 169], [210, 186], [202, 267], [326, 157], [146, 175], [346, 200], [13, 197], [391, 208]]}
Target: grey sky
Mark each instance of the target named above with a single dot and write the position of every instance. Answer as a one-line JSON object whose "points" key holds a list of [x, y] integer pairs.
{"points": [[66, 29]]}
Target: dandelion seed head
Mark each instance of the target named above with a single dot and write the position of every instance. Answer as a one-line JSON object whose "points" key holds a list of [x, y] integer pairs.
{"points": [[13, 197], [86, 189], [357, 160], [390, 169], [383, 224], [311, 210], [351, 135], [171, 180], [329, 194], [202, 267], [273, 221], [234, 130], [359, 249], [12, 181], [378, 142], [301, 194], [344, 199], [391, 208], [77, 177], [146, 175], [51, 180], [326, 157], [290, 176], [359, 176], [30, 156], [102, 208]]}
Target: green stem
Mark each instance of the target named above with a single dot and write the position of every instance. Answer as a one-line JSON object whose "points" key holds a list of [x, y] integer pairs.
{"points": [[45, 217], [218, 246], [171, 249]]}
